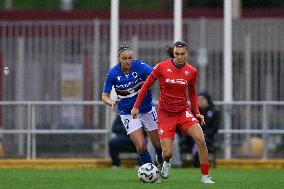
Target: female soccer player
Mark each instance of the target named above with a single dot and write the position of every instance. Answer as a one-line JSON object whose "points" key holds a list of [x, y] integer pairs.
{"points": [[176, 77], [127, 78]]}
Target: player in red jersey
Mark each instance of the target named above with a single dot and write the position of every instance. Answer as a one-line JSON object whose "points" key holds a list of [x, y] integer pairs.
{"points": [[176, 77]]}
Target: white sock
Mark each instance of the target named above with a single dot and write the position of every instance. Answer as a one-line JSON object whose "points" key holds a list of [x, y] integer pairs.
{"points": [[167, 163]]}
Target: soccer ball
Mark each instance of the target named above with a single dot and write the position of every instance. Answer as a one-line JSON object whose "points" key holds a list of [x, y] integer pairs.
{"points": [[148, 173]]}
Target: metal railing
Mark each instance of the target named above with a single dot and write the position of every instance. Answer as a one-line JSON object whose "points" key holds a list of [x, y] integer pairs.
{"points": [[262, 111], [263, 118], [31, 130]]}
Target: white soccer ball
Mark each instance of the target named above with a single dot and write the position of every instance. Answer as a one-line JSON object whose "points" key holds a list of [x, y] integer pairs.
{"points": [[148, 173]]}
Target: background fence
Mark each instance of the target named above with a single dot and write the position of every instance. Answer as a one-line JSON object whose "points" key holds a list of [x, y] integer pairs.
{"points": [[67, 61], [257, 134]]}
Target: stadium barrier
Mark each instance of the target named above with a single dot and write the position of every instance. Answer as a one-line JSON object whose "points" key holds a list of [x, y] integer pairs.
{"points": [[255, 130]]}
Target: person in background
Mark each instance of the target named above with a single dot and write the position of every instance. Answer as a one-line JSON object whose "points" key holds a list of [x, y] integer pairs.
{"points": [[176, 77], [121, 142]]}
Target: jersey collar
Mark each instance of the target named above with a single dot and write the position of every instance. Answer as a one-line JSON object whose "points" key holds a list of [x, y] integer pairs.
{"points": [[178, 67]]}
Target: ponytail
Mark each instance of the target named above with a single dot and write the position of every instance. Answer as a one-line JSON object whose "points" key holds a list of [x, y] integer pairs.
{"points": [[170, 51]]}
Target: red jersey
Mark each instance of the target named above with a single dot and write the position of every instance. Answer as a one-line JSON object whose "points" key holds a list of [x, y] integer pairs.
{"points": [[174, 82]]}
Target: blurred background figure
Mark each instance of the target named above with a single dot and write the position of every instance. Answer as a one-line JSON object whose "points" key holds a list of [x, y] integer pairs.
{"points": [[254, 148], [210, 129], [66, 5], [119, 143]]}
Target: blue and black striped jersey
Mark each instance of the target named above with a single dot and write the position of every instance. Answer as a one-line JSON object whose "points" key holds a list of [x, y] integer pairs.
{"points": [[127, 86]]}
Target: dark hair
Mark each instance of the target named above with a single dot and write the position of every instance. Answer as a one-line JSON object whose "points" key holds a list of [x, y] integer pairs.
{"points": [[124, 47], [206, 95], [180, 44], [170, 49]]}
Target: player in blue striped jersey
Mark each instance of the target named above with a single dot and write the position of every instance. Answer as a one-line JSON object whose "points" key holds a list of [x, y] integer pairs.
{"points": [[127, 78]]}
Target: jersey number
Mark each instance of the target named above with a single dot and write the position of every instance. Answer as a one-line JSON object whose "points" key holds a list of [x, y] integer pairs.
{"points": [[154, 115], [126, 123], [187, 114]]}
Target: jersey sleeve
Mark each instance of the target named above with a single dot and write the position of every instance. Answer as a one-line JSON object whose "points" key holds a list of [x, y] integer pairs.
{"points": [[108, 84], [155, 74], [192, 93], [146, 86]]}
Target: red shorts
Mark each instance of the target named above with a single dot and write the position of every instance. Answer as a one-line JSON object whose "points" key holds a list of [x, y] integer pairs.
{"points": [[168, 123]]}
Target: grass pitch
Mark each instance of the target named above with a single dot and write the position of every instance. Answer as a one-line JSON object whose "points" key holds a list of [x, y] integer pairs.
{"points": [[187, 178]]}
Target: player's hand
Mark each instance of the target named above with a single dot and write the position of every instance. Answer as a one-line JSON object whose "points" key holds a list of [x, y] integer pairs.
{"points": [[200, 118], [134, 112], [113, 103]]}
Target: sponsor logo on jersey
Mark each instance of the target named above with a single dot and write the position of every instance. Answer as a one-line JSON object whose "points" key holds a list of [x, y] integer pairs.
{"points": [[169, 70], [127, 85], [186, 72], [179, 81], [134, 74]]}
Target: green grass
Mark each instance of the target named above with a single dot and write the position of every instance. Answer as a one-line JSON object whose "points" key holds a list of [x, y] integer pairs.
{"points": [[127, 178]]}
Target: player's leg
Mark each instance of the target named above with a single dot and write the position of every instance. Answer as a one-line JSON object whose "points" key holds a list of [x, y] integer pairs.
{"points": [[166, 130], [155, 140], [149, 121], [138, 139], [134, 129], [167, 147], [166, 133], [189, 125], [196, 133]]}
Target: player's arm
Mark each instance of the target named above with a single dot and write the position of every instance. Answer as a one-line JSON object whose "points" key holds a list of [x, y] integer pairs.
{"points": [[193, 99], [146, 86], [108, 101], [106, 92]]}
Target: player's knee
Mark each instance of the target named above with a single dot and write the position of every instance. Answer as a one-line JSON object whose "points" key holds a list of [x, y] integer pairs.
{"points": [[200, 141]]}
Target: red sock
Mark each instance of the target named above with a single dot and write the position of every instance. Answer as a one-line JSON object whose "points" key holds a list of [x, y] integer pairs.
{"points": [[204, 169]]}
